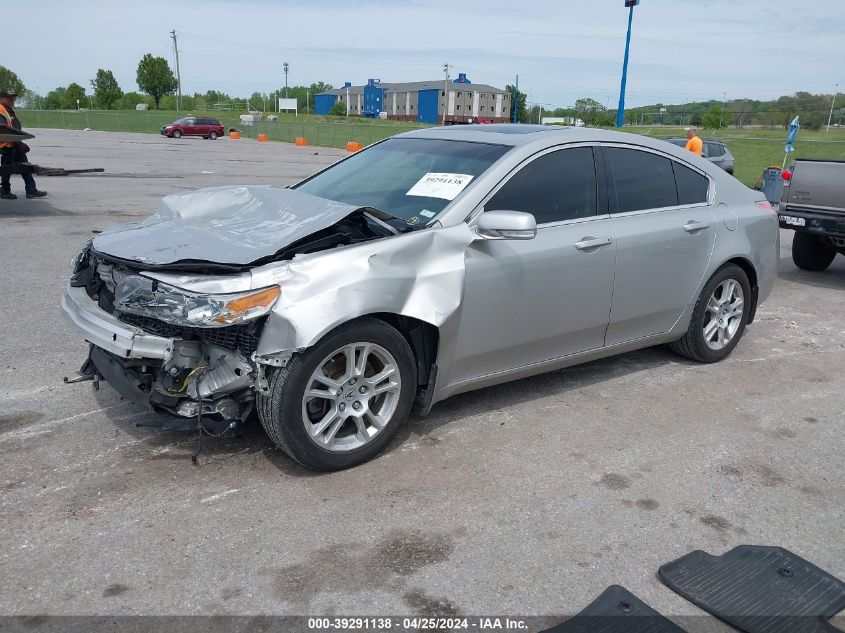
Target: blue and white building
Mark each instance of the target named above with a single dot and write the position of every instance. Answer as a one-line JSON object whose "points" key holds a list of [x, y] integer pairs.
{"points": [[423, 101]]}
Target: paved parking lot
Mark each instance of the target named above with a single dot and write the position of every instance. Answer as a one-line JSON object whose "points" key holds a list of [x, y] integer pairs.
{"points": [[528, 498]]}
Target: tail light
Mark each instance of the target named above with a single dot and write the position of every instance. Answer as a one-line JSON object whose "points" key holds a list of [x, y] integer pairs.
{"points": [[766, 205], [786, 175]]}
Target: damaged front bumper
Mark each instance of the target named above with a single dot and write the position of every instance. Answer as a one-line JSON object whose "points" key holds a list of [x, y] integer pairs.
{"points": [[109, 333], [190, 379]]}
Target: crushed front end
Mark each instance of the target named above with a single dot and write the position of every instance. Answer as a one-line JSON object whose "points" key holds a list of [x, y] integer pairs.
{"points": [[183, 353]]}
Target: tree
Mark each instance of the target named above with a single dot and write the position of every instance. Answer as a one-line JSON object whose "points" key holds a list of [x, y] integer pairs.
{"points": [[75, 95], [338, 109], [56, 99], [155, 77], [10, 81], [520, 103], [106, 90], [715, 118], [589, 110]]}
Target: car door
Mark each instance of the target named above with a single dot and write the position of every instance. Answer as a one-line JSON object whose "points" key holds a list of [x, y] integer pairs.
{"points": [[715, 153], [529, 301], [190, 127], [665, 232]]}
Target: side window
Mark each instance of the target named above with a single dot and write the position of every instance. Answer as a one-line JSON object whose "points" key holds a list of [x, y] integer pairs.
{"points": [[642, 180], [714, 149], [692, 186], [555, 187]]}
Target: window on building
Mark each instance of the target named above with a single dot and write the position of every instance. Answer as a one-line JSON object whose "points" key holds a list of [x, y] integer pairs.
{"points": [[442, 93], [558, 186], [459, 94], [457, 107]]}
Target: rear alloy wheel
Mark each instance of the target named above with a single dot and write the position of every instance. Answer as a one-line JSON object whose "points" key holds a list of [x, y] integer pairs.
{"points": [[812, 252], [719, 317], [339, 403], [177, 134], [212, 136]]}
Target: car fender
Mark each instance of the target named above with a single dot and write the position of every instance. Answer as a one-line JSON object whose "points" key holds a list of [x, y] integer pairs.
{"points": [[418, 274]]}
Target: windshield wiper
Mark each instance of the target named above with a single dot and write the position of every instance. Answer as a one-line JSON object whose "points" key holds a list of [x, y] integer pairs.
{"points": [[369, 213]]}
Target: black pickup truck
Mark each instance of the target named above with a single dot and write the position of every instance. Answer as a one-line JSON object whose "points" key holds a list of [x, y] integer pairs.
{"points": [[813, 205]]}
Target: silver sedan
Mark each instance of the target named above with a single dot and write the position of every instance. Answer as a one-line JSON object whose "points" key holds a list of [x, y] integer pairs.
{"points": [[429, 264]]}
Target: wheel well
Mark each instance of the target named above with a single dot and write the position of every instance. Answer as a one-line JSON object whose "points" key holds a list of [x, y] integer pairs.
{"points": [[750, 271], [424, 339]]}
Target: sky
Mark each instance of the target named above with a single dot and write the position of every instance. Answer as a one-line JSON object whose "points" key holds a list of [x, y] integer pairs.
{"points": [[562, 50]]}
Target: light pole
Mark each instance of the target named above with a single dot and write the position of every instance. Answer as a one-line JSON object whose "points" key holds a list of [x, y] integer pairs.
{"points": [[286, 67], [620, 111], [832, 101], [446, 68], [724, 105]]}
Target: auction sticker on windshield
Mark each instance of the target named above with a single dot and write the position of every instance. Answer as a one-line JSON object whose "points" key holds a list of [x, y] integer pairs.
{"points": [[445, 186]]}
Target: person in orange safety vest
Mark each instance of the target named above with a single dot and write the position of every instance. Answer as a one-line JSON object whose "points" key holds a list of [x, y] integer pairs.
{"points": [[13, 153]]}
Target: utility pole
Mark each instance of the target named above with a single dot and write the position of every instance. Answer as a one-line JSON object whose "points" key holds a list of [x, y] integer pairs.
{"points": [[516, 100], [620, 111], [286, 67], [178, 76], [446, 68], [347, 102], [724, 105], [307, 95], [832, 101]]}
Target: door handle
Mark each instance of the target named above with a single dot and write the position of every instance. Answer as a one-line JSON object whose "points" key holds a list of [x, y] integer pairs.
{"points": [[694, 225], [592, 242]]}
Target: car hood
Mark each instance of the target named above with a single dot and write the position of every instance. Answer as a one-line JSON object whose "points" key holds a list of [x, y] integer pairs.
{"points": [[223, 225]]}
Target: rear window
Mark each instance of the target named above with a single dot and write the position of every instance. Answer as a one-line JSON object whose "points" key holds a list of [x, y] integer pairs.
{"points": [[642, 180]]}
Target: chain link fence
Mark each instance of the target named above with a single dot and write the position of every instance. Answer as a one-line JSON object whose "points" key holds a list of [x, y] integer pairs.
{"points": [[325, 133]]}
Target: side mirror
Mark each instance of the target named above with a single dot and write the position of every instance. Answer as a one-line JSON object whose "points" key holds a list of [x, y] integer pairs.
{"points": [[506, 225]]}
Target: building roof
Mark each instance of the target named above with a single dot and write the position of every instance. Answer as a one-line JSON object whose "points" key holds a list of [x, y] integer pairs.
{"points": [[413, 86]]}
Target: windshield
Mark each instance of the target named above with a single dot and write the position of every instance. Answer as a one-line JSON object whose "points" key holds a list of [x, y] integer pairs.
{"points": [[410, 178]]}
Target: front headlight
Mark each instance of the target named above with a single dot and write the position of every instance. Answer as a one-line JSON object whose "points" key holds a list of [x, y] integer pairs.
{"points": [[151, 298]]}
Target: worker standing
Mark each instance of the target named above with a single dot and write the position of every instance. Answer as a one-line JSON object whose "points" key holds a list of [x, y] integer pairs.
{"points": [[694, 143], [14, 153]]}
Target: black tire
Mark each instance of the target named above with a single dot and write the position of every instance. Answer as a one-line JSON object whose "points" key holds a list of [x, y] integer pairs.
{"points": [[212, 136], [812, 252], [693, 345], [281, 412], [177, 134]]}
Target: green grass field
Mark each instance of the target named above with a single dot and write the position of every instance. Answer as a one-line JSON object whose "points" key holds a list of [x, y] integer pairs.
{"points": [[753, 149]]}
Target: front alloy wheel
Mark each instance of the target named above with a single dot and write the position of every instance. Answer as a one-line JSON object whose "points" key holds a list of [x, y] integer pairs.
{"points": [[351, 397], [338, 403]]}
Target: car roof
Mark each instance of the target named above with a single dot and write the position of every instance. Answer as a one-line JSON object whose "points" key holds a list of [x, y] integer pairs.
{"points": [[538, 135], [706, 140]]}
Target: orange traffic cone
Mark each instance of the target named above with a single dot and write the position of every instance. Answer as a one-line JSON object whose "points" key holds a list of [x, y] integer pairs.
{"points": [[353, 146], [262, 138], [234, 135], [301, 141]]}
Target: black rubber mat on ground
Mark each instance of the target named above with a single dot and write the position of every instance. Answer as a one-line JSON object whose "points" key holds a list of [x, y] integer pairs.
{"points": [[758, 589], [617, 610]]}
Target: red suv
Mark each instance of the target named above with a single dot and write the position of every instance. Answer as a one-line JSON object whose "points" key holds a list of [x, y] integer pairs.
{"points": [[193, 126]]}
